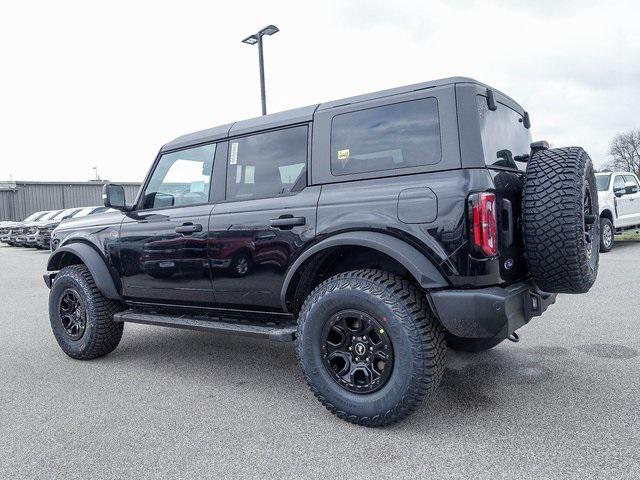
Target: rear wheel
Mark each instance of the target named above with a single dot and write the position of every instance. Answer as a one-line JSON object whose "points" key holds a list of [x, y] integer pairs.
{"points": [[606, 235], [369, 348], [81, 317]]}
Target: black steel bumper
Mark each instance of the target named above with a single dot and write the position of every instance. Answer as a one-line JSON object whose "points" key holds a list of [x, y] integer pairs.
{"points": [[490, 312]]}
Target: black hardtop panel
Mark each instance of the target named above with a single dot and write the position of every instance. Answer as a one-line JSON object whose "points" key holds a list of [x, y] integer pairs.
{"points": [[305, 114], [395, 91], [203, 136], [273, 120]]}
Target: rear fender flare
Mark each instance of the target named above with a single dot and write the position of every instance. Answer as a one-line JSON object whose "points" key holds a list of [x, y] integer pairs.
{"points": [[94, 262], [418, 265]]}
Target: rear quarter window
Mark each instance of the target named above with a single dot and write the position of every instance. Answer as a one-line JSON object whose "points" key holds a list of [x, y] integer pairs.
{"points": [[504, 137], [389, 137]]}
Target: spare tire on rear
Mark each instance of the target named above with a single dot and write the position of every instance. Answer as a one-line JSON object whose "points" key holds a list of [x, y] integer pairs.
{"points": [[559, 220]]}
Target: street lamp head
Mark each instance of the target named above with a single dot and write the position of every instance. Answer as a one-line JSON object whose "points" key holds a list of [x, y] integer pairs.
{"points": [[251, 40], [270, 30]]}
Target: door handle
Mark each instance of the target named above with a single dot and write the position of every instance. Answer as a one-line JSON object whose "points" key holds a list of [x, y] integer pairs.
{"points": [[189, 228], [287, 222]]}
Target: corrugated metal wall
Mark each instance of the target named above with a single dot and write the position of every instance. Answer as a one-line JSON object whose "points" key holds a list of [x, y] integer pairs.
{"points": [[21, 199]]}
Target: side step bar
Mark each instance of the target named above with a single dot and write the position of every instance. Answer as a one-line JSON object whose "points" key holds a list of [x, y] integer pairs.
{"points": [[276, 333]]}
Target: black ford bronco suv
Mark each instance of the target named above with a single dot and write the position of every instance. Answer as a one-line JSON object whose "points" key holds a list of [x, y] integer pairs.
{"points": [[373, 232]]}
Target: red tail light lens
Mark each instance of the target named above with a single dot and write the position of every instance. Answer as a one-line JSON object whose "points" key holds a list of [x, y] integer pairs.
{"points": [[484, 224]]}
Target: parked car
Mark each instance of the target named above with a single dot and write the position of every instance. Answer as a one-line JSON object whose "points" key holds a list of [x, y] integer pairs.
{"points": [[8, 226], [18, 230], [619, 199], [45, 230], [29, 237], [395, 224]]}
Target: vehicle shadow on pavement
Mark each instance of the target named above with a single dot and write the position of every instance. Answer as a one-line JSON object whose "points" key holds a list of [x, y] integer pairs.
{"points": [[472, 382]]}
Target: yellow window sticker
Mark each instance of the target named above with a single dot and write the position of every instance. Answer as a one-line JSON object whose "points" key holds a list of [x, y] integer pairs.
{"points": [[343, 154]]}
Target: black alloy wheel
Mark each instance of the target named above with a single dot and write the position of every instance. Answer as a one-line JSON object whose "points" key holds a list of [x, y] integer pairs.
{"points": [[73, 314], [356, 351]]}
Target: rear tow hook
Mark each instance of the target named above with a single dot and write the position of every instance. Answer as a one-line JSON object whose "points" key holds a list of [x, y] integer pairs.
{"points": [[514, 337]]}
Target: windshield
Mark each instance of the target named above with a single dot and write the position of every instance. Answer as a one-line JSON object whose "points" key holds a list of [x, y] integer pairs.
{"points": [[603, 182], [65, 213], [84, 212], [34, 216], [505, 140], [50, 215]]}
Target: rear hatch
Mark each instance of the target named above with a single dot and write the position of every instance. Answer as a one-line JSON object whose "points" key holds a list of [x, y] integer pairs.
{"points": [[506, 144]]}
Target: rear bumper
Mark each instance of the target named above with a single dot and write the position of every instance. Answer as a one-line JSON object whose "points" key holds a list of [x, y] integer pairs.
{"points": [[490, 312]]}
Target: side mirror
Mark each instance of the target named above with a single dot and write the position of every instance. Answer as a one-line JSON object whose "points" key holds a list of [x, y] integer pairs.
{"points": [[620, 191], [630, 188], [113, 196]]}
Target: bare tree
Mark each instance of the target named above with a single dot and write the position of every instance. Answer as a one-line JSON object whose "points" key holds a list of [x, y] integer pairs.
{"points": [[625, 152]]}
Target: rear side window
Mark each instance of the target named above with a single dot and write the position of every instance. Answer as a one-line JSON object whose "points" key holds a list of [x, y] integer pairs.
{"points": [[266, 164], [390, 137]]}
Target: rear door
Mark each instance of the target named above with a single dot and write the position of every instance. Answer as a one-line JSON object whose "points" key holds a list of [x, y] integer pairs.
{"points": [[267, 219], [163, 242]]}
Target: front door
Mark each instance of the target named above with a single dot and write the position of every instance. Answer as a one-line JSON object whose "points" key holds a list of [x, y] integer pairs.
{"points": [[624, 202], [163, 241], [633, 199], [268, 218]]}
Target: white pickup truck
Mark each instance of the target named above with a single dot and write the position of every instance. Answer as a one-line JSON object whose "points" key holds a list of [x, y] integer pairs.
{"points": [[619, 198]]}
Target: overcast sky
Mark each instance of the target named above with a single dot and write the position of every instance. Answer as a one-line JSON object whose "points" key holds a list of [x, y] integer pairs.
{"points": [[105, 84]]}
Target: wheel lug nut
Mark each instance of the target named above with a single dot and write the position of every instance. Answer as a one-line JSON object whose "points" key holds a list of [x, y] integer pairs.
{"points": [[357, 359], [368, 359], [350, 348], [371, 349]]}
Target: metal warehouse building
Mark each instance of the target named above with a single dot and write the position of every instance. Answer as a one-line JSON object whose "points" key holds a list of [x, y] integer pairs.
{"points": [[20, 199]]}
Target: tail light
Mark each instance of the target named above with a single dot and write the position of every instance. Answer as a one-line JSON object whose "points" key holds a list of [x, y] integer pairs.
{"points": [[484, 224]]}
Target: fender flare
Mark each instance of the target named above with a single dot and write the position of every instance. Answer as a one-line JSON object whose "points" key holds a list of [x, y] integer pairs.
{"points": [[94, 262], [420, 267]]}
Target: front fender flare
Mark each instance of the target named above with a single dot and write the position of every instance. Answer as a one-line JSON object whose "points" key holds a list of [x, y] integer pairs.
{"points": [[420, 267], [94, 262]]}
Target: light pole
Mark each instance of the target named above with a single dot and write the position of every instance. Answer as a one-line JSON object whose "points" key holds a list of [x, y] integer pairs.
{"points": [[252, 40]]}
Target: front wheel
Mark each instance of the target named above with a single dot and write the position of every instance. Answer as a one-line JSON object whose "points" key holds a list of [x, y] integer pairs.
{"points": [[81, 317], [606, 235], [369, 348]]}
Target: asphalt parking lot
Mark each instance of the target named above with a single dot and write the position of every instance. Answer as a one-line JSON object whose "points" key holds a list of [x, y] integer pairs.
{"points": [[562, 403]]}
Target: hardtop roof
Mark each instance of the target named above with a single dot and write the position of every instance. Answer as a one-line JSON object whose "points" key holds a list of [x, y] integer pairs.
{"points": [[305, 114]]}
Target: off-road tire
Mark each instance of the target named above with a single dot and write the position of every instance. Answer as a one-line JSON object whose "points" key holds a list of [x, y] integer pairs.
{"points": [[102, 334], [417, 338], [553, 220], [606, 225], [472, 345]]}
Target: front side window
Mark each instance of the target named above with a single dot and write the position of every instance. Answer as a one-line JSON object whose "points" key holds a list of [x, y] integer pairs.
{"points": [[631, 179], [266, 164], [618, 183], [390, 137], [181, 178], [505, 140]]}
